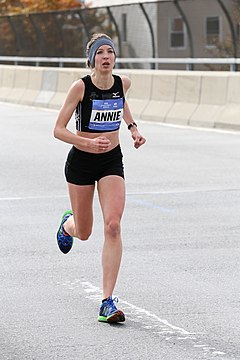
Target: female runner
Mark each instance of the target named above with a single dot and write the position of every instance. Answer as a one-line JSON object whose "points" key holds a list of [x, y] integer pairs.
{"points": [[95, 157]]}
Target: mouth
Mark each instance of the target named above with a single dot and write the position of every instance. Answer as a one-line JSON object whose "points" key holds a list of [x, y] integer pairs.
{"points": [[106, 63]]}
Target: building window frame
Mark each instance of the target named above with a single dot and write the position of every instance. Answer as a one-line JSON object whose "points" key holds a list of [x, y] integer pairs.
{"points": [[176, 33], [218, 35]]}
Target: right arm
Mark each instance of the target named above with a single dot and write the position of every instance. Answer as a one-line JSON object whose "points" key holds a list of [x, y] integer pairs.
{"points": [[75, 94]]}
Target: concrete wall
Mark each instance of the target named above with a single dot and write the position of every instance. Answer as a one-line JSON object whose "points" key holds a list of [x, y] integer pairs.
{"points": [[207, 99]]}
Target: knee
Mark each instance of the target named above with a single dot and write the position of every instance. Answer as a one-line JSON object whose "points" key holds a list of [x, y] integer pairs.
{"points": [[113, 228], [83, 235]]}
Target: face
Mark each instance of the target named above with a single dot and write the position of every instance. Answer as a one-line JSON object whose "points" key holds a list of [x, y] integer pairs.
{"points": [[104, 58]]}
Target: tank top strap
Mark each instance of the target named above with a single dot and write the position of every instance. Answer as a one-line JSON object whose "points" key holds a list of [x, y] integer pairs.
{"points": [[118, 81]]}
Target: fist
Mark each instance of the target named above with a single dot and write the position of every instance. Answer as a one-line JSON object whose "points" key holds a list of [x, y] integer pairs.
{"points": [[138, 139], [101, 144]]}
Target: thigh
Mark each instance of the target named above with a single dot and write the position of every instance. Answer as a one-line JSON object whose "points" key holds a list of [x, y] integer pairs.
{"points": [[81, 197], [111, 190]]}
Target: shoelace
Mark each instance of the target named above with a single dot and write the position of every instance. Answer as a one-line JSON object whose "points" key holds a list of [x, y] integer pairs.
{"points": [[111, 302]]}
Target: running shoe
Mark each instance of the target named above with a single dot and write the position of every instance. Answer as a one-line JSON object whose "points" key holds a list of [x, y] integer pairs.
{"points": [[109, 313], [64, 240]]}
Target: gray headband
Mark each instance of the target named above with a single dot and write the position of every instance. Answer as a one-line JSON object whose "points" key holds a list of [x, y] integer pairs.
{"points": [[93, 49]]}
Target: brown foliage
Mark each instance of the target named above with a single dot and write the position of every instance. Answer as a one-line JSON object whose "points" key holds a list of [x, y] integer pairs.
{"points": [[8, 7], [48, 28]]}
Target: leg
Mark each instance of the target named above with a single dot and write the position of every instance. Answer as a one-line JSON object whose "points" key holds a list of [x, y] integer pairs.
{"points": [[80, 224], [111, 190]]}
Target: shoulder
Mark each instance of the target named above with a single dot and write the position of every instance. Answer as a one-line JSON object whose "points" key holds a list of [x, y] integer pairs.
{"points": [[77, 89], [126, 82], [78, 84]]}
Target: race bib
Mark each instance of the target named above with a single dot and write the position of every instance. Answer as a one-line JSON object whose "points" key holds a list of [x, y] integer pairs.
{"points": [[106, 115]]}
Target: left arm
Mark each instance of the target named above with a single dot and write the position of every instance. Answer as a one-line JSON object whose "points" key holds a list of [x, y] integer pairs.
{"points": [[127, 116]]}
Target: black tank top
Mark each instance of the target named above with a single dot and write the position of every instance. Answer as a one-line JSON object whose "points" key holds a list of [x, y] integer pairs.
{"points": [[100, 110]]}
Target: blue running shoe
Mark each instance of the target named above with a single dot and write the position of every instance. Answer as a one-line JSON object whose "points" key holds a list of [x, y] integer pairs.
{"points": [[64, 240], [109, 313]]}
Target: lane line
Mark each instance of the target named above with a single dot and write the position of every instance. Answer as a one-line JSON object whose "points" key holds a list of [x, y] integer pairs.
{"points": [[14, 198], [149, 321], [157, 318], [195, 128], [184, 191], [91, 289], [163, 192], [162, 124]]}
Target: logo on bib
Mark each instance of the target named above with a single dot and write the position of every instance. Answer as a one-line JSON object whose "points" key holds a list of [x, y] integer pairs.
{"points": [[106, 114]]}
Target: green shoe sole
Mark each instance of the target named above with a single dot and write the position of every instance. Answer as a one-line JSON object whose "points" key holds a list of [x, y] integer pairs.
{"points": [[114, 318]]}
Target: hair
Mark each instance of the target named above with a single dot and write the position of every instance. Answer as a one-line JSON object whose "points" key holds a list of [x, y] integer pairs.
{"points": [[94, 38]]}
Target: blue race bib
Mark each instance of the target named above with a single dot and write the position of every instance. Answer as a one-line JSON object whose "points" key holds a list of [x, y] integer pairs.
{"points": [[106, 115]]}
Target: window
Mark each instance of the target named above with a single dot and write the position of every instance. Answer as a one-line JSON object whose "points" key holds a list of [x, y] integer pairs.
{"points": [[124, 27], [177, 33], [212, 30]]}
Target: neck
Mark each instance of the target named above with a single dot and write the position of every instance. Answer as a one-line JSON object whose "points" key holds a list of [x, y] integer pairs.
{"points": [[102, 81]]}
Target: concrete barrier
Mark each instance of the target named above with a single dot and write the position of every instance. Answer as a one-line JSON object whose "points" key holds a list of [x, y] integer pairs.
{"points": [[209, 99], [19, 85], [48, 87], [162, 96], [186, 99], [213, 96], [230, 114], [1, 73], [7, 84], [33, 88], [139, 92], [65, 78]]}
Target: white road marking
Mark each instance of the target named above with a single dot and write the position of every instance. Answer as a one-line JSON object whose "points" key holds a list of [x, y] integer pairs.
{"points": [[218, 353], [189, 127], [162, 192], [149, 315], [146, 122], [149, 321], [41, 197]]}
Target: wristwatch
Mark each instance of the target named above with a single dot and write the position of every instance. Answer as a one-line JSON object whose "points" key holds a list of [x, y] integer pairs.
{"points": [[131, 125]]}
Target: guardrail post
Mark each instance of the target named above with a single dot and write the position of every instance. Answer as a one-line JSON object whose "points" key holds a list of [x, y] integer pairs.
{"points": [[189, 67], [233, 67]]}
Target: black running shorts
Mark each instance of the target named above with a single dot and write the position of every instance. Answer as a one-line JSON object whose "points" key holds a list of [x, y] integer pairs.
{"points": [[83, 168]]}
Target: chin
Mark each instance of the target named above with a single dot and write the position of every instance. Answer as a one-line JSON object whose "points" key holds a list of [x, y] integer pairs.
{"points": [[109, 68]]}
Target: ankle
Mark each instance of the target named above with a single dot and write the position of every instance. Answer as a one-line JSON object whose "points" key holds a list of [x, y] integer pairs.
{"points": [[65, 232], [67, 228]]}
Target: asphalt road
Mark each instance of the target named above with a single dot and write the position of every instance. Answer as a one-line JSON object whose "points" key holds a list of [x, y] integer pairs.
{"points": [[179, 280]]}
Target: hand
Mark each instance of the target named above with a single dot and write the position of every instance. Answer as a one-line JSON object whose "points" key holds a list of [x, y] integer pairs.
{"points": [[100, 144], [138, 138]]}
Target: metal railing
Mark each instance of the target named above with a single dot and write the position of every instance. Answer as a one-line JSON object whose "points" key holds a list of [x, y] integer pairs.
{"points": [[143, 32], [61, 61]]}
